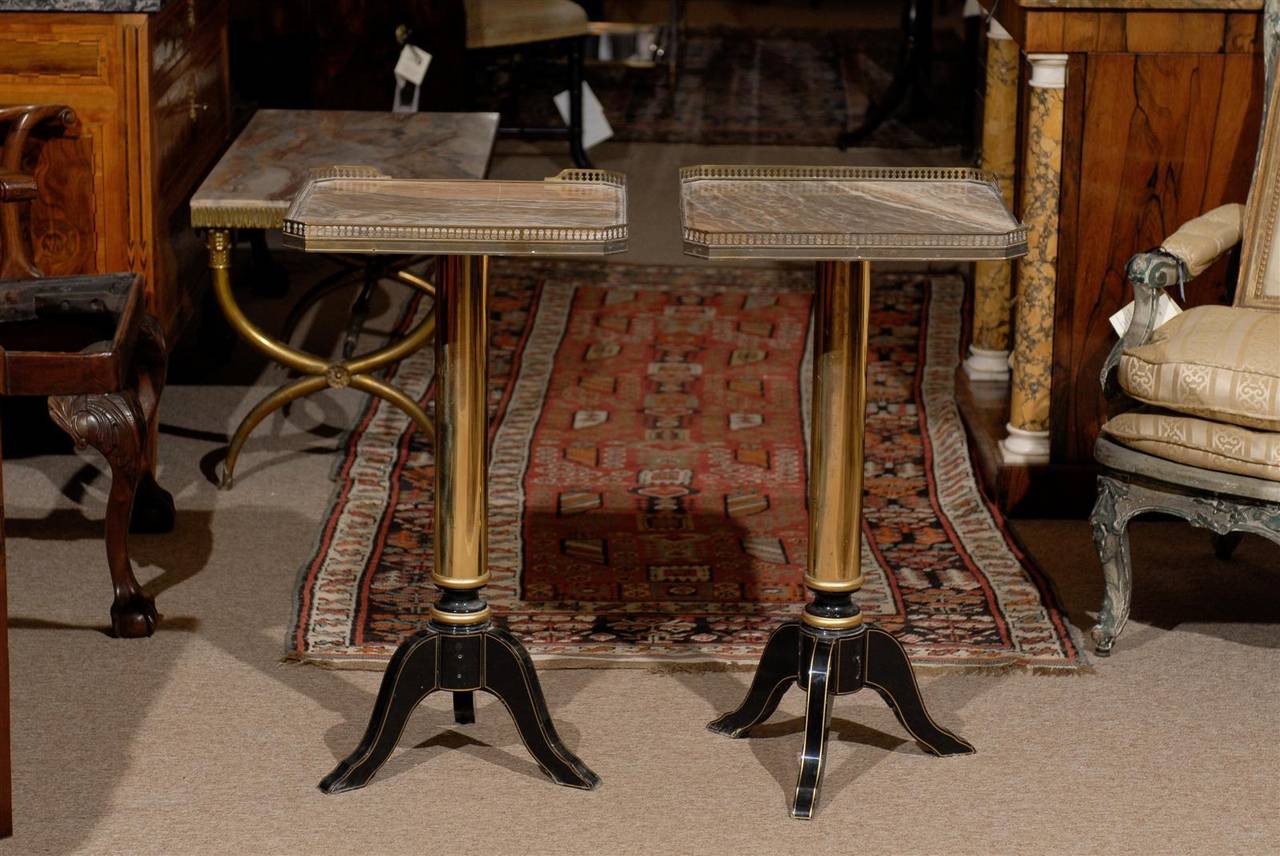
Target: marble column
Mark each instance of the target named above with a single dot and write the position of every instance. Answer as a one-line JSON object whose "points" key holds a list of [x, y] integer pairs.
{"points": [[993, 280], [1032, 362]]}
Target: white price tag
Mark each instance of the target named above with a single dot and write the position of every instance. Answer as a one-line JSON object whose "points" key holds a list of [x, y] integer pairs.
{"points": [[412, 65], [406, 96], [595, 127], [1165, 310]]}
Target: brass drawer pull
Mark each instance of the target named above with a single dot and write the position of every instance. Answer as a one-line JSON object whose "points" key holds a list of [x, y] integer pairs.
{"points": [[194, 107]]}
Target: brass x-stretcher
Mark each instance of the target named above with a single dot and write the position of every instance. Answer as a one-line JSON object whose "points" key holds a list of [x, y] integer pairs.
{"points": [[317, 374]]}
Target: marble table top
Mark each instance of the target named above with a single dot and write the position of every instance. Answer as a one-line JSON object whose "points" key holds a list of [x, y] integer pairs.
{"points": [[578, 212], [82, 5], [279, 151], [771, 212]]}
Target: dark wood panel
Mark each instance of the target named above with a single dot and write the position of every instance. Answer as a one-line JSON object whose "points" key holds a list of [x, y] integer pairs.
{"points": [[1156, 140], [1244, 33], [34, 54], [1174, 31], [1134, 31], [63, 235], [190, 121]]}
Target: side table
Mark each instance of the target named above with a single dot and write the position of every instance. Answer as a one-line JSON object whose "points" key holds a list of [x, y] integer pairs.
{"points": [[843, 218], [579, 212], [253, 185]]}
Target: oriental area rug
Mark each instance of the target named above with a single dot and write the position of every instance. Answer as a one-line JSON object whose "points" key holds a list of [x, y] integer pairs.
{"points": [[647, 481]]}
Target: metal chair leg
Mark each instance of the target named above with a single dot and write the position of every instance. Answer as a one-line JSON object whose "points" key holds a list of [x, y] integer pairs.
{"points": [[576, 149]]}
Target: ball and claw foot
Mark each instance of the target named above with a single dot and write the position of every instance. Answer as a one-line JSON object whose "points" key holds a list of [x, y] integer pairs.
{"points": [[133, 616], [461, 661], [827, 664]]}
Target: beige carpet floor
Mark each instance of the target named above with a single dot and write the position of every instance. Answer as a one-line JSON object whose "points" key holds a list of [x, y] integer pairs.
{"points": [[200, 741]]}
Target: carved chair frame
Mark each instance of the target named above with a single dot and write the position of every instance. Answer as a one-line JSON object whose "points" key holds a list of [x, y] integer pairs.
{"points": [[1134, 483]]}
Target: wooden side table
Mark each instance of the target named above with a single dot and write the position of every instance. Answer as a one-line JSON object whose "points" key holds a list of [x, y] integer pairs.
{"points": [[843, 218], [579, 212]]}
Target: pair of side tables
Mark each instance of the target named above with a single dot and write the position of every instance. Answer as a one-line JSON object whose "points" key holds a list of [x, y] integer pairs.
{"points": [[842, 219]]}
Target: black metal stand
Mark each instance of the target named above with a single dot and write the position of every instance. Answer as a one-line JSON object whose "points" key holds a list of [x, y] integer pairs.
{"points": [[911, 77], [829, 663], [460, 660], [574, 48]]}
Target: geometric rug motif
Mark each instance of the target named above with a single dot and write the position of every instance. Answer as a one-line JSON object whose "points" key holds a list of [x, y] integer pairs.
{"points": [[647, 481]]}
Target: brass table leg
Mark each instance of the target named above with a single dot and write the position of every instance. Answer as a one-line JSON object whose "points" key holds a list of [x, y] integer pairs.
{"points": [[318, 374], [831, 651], [460, 651]]}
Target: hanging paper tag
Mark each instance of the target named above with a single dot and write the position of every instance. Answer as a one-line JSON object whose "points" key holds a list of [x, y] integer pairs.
{"points": [[595, 127], [1165, 310], [406, 97], [412, 65]]}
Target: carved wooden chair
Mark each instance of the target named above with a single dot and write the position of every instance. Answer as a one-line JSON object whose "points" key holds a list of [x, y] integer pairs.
{"points": [[86, 343], [1204, 444]]}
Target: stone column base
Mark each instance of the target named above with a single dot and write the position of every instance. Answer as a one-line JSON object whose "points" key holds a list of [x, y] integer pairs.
{"points": [[1024, 447], [985, 365]]}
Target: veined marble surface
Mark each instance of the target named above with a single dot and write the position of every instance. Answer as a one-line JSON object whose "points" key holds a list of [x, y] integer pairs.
{"points": [[577, 212], [845, 213], [279, 151], [82, 5]]}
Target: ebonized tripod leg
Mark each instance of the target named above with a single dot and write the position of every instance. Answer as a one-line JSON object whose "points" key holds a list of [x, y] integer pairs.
{"points": [[410, 677], [464, 707], [509, 675], [888, 672], [774, 676], [817, 723]]}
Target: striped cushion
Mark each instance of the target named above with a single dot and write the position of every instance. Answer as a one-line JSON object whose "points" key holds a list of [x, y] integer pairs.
{"points": [[1199, 443], [1219, 362]]}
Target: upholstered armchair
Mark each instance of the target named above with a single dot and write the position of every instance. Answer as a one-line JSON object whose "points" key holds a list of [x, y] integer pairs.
{"points": [[1202, 441]]}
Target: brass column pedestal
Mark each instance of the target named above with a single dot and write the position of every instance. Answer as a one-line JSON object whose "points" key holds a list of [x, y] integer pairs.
{"points": [[461, 650], [831, 651]]}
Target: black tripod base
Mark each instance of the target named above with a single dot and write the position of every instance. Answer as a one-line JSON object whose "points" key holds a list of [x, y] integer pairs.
{"points": [[460, 660], [827, 664]]}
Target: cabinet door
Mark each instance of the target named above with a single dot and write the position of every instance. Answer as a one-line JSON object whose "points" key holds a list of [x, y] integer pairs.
{"points": [[77, 223]]}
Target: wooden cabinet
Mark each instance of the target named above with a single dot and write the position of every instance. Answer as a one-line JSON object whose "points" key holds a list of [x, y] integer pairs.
{"points": [[1159, 123], [152, 94]]}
